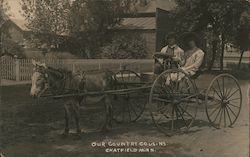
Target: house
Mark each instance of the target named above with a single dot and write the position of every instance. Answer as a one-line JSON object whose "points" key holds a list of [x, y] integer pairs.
{"points": [[142, 23], [145, 22], [13, 36], [142, 26], [16, 29]]}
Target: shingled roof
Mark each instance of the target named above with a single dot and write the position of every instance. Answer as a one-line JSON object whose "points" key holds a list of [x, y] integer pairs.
{"points": [[20, 23], [143, 23]]}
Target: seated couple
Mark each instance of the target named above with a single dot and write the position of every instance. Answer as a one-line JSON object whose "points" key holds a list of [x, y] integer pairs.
{"points": [[189, 62]]}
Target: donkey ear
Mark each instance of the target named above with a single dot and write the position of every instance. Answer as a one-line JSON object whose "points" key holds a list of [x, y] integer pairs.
{"points": [[34, 62], [44, 65]]}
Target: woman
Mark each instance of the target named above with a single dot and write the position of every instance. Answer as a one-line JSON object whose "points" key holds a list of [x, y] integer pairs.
{"points": [[194, 57]]}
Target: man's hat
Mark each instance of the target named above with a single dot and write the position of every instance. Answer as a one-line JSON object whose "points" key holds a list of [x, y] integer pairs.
{"points": [[170, 35]]}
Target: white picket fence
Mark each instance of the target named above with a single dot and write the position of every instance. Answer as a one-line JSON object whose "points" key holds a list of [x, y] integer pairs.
{"points": [[22, 69]]}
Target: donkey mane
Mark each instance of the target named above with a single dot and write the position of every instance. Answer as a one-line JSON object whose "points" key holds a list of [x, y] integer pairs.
{"points": [[57, 74]]}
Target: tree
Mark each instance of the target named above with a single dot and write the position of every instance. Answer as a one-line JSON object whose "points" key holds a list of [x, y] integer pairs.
{"points": [[221, 17], [243, 39], [3, 18], [83, 23], [91, 20], [47, 18]]}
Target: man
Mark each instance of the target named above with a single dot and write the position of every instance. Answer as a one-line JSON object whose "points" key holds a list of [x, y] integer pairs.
{"points": [[194, 58], [172, 49]]}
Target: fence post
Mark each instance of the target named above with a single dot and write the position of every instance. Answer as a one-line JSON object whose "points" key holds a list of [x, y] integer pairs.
{"points": [[73, 68], [1, 72], [99, 65], [120, 66], [17, 69]]}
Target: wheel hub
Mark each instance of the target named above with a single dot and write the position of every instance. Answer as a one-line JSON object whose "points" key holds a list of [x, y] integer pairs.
{"points": [[224, 103]]}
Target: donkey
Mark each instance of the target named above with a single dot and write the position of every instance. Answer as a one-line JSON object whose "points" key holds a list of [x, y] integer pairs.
{"points": [[62, 81]]}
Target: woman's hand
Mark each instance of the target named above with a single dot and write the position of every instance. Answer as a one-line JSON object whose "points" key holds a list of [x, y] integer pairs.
{"points": [[176, 59]]}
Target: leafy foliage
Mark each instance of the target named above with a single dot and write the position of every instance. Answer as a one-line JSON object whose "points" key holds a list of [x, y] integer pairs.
{"points": [[84, 22], [11, 47], [124, 47], [47, 18], [222, 18]]}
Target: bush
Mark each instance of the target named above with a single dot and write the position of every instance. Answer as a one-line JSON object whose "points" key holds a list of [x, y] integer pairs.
{"points": [[11, 47], [129, 46]]}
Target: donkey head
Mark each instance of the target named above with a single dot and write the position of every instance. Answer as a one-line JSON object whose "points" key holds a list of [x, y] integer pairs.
{"points": [[38, 79]]}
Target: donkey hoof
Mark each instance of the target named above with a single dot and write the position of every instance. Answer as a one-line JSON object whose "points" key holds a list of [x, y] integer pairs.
{"points": [[105, 129], [65, 133], [79, 132]]}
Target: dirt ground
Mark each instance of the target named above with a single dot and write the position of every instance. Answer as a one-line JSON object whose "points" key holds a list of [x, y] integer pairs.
{"points": [[32, 128]]}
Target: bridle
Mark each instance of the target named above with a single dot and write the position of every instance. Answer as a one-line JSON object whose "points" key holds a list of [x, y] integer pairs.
{"points": [[45, 74]]}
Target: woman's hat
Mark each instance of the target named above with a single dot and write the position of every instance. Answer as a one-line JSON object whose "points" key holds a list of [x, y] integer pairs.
{"points": [[190, 36]]}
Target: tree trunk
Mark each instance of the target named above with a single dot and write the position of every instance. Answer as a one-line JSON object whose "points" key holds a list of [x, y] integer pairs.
{"points": [[214, 51], [222, 52], [241, 55]]}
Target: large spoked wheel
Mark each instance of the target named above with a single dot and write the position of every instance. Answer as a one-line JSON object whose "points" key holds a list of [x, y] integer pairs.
{"points": [[128, 106], [173, 102], [223, 101]]}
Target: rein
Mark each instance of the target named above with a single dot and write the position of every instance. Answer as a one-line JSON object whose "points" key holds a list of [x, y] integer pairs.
{"points": [[61, 84]]}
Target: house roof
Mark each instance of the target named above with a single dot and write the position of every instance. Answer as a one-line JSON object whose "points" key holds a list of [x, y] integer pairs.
{"points": [[167, 5], [4, 19], [20, 23], [144, 23], [148, 8]]}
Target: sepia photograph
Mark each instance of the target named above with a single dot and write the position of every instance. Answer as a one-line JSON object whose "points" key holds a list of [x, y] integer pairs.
{"points": [[118, 78]]}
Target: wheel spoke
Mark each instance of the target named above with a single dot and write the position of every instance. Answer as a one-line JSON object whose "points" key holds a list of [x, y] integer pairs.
{"points": [[172, 119], [234, 99], [224, 118], [133, 109], [162, 114], [177, 82], [214, 110], [229, 91], [220, 117], [229, 116], [218, 84], [232, 111], [216, 92], [233, 105], [186, 112], [217, 115], [233, 94], [223, 86], [213, 98], [162, 100], [123, 113], [129, 112], [181, 114]]}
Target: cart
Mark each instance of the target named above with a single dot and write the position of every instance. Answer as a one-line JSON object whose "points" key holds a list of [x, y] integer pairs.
{"points": [[173, 103]]}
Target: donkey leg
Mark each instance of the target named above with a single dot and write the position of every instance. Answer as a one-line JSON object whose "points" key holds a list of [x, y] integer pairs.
{"points": [[66, 116], [107, 123], [110, 111], [77, 116]]}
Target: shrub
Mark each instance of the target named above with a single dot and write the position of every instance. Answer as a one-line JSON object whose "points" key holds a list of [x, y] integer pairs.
{"points": [[130, 46]]}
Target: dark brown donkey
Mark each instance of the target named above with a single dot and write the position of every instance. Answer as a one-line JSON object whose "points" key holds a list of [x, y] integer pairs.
{"points": [[61, 82]]}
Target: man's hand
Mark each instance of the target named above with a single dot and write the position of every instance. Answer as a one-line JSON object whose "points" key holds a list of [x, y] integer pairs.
{"points": [[176, 59]]}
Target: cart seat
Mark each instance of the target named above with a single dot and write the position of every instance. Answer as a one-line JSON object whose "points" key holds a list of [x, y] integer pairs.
{"points": [[198, 73], [162, 55]]}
